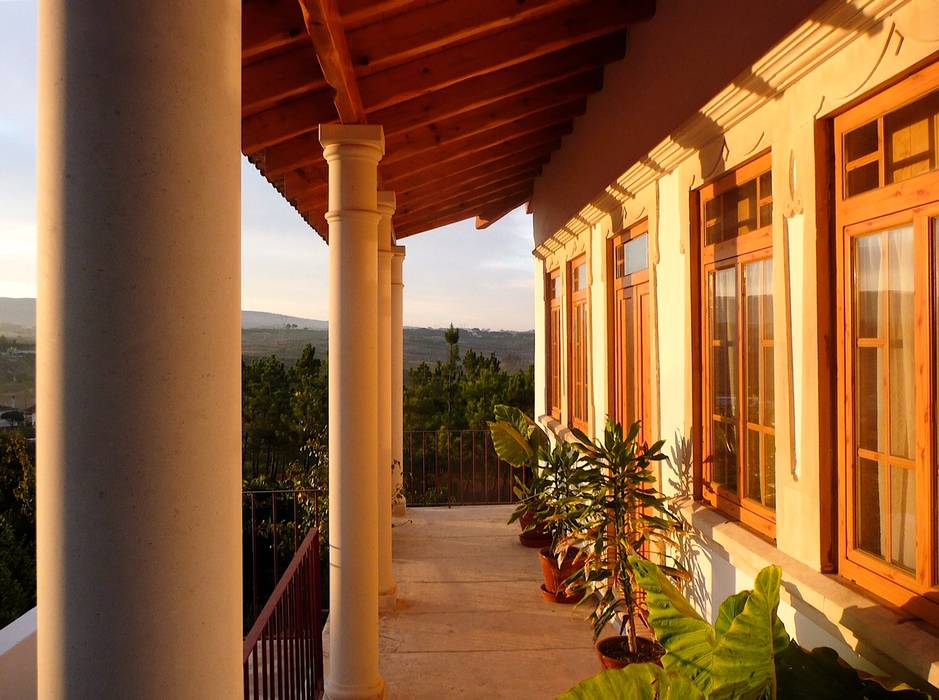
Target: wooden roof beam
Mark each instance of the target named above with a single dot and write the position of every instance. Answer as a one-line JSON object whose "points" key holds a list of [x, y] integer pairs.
{"points": [[426, 28], [305, 149], [300, 116], [467, 197], [463, 61], [408, 170], [466, 208], [329, 40], [492, 213], [420, 198], [316, 196], [270, 25], [569, 98], [280, 78], [357, 13], [412, 228]]}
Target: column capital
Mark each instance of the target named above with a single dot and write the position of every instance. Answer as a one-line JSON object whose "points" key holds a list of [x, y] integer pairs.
{"points": [[386, 208], [397, 265], [368, 140]]}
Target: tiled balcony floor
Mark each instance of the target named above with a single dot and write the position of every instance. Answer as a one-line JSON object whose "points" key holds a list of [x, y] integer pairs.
{"points": [[470, 621]]}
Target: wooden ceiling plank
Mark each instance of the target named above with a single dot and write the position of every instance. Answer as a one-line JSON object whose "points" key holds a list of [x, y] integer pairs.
{"points": [[502, 84], [480, 143], [270, 25], [534, 157], [357, 13], [492, 52], [472, 201], [539, 106], [492, 213], [428, 28], [468, 196], [305, 149], [420, 198], [280, 78], [300, 116], [408, 170], [324, 25], [412, 228]]}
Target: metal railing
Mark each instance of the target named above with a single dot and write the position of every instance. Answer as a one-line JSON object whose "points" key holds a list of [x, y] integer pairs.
{"points": [[273, 523], [454, 467], [283, 651]]}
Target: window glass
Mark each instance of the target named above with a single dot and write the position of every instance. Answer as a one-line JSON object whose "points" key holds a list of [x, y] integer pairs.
{"points": [[636, 254], [739, 210]]}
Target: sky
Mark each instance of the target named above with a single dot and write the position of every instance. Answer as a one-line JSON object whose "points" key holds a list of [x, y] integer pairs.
{"points": [[455, 274]]}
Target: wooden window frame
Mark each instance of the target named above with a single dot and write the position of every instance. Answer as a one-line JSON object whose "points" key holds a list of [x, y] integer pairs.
{"points": [[553, 325], [575, 299], [617, 283], [912, 201], [735, 253]]}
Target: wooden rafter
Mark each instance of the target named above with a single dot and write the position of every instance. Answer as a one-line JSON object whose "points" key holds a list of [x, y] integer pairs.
{"points": [[280, 78], [411, 228], [494, 51], [492, 213], [424, 198], [467, 197], [329, 39]]}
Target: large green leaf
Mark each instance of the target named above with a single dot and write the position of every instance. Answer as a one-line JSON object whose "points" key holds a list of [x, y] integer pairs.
{"points": [[510, 444], [635, 682], [743, 665], [687, 637], [820, 674]]}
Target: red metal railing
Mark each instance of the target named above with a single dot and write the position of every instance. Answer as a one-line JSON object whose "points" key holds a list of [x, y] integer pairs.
{"points": [[454, 467], [283, 652]]}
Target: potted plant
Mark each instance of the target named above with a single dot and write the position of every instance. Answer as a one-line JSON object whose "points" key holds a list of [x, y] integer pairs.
{"points": [[521, 442], [623, 515], [554, 504]]}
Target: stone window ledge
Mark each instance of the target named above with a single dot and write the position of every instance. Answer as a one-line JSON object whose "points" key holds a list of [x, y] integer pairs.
{"points": [[557, 428], [901, 645]]}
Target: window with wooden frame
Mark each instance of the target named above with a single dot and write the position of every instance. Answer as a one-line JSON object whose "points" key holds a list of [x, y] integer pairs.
{"points": [[579, 334], [630, 320], [887, 233], [738, 471], [553, 341]]}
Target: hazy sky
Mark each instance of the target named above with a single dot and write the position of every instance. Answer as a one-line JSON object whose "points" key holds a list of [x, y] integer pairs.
{"points": [[472, 278]]}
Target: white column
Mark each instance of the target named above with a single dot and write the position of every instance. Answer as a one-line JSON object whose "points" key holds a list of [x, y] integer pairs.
{"points": [[397, 378], [352, 153], [386, 581], [139, 349]]}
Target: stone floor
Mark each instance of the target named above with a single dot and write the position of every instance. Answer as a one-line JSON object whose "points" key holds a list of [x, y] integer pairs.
{"points": [[470, 621]]}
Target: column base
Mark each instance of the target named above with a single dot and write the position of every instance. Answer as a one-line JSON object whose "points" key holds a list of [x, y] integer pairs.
{"points": [[399, 508], [356, 692], [387, 599]]}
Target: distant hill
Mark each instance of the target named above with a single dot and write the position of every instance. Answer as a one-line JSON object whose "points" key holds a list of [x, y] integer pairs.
{"points": [[19, 315], [267, 334]]}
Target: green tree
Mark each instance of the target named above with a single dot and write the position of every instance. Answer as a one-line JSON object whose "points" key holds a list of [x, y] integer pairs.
{"points": [[17, 526]]}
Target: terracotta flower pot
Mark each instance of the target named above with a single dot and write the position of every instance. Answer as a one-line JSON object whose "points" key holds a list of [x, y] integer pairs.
{"points": [[537, 536], [614, 652], [554, 575]]}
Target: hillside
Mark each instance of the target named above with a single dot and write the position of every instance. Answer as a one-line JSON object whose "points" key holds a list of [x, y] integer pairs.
{"points": [[262, 334]]}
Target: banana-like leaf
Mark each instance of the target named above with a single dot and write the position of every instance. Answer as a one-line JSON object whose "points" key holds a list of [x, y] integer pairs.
{"points": [[510, 444], [730, 608], [687, 637], [743, 664], [635, 682], [821, 674]]}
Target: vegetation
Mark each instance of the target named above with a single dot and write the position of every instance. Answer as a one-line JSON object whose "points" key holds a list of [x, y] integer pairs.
{"points": [[622, 518], [746, 654], [521, 442], [17, 525], [464, 391]]}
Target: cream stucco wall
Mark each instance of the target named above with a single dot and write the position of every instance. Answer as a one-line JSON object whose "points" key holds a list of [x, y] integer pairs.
{"points": [[840, 52]]}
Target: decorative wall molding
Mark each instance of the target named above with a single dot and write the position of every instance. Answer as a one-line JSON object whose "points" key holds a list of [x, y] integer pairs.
{"points": [[825, 33]]}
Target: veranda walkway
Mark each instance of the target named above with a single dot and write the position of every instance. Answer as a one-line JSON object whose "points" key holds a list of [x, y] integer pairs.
{"points": [[470, 621]]}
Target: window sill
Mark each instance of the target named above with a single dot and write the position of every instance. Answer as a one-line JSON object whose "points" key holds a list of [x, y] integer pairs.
{"points": [[902, 646], [557, 428]]}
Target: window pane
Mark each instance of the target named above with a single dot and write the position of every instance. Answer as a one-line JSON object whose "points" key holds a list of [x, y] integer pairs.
{"points": [[724, 454], [579, 274], [868, 399], [910, 135], [860, 142], [752, 467], [863, 178], [769, 389], [902, 327], [767, 296], [724, 355], [752, 288], [769, 469], [870, 506], [903, 517], [746, 208], [636, 254], [868, 253]]}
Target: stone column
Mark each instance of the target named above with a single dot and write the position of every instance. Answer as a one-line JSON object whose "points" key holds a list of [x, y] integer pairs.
{"points": [[139, 349], [352, 153], [386, 581], [397, 378]]}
